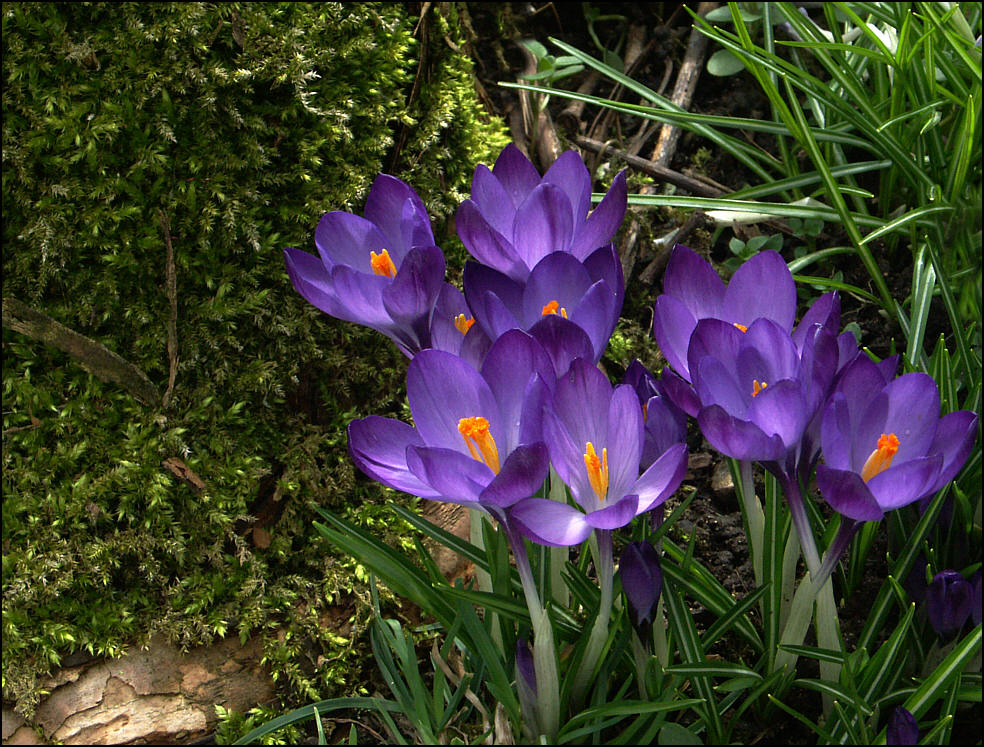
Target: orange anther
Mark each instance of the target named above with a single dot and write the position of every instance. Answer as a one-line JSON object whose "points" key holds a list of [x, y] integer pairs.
{"points": [[463, 323], [881, 458], [382, 264], [551, 308], [597, 470], [479, 441]]}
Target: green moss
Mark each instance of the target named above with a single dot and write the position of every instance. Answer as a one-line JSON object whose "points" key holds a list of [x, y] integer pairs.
{"points": [[236, 126]]}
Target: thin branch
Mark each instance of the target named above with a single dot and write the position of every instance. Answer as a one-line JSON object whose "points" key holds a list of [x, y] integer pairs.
{"points": [[171, 288], [95, 357]]}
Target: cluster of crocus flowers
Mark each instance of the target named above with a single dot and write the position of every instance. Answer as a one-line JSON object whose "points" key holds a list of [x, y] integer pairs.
{"points": [[504, 388]]}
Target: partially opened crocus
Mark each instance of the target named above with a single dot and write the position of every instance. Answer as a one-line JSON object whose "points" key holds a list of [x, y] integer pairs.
{"points": [[885, 444], [949, 603], [665, 423], [642, 583], [453, 328], [595, 436], [902, 728], [515, 217], [382, 271], [762, 287], [589, 293], [477, 435]]}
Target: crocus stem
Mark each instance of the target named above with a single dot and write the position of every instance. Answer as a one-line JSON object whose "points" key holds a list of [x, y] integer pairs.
{"points": [[544, 649], [816, 588], [605, 564], [476, 519], [801, 522], [640, 658], [754, 516], [559, 592]]}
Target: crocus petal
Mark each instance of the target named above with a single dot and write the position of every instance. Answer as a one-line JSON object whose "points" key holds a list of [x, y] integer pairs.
{"points": [[479, 279], [550, 522], [762, 287], [680, 392], [346, 239], [948, 602], [570, 174], [616, 515], [624, 439], [557, 277], [912, 414], [781, 409], [486, 244], [901, 728], [310, 278], [360, 297], [717, 385], [456, 477], [563, 340], [604, 264], [543, 224], [737, 438], [905, 483], [716, 339], [835, 433], [954, 440], [492, 315], [581, 402], [642, 581], [673, 324], [516, 172], [597, 314], [781, 353], [521, 476], [665, 426], [442, 390], [400, 214], [409, 298], [567, 457], [825, 311], [692, 281], [493, 201], [848, 494], [511, 362], [604, 221], [378, 447], [662, 478]]}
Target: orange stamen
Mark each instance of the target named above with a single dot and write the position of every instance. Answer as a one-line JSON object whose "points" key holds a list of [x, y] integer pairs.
{"points": [[382, 264], [463, 323], [881, 458], [757, 387], [551, 308], [597, 470], [479, 441], [742, 327]]}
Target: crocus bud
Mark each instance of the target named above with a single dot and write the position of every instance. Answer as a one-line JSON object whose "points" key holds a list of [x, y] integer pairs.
{"points": [[525, 670], [642, 582], [902, 728], [948, 602]]}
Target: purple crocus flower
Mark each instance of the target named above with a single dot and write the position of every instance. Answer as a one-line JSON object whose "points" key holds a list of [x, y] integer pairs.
{"points": [[589, 293], [515, 218], [477, 439], [665, 423], [453, 328], [595, 435], [382, 271], [885, 445], [762, 287], [902, 728], [757, 392], [642, 582], [949, 602]]}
